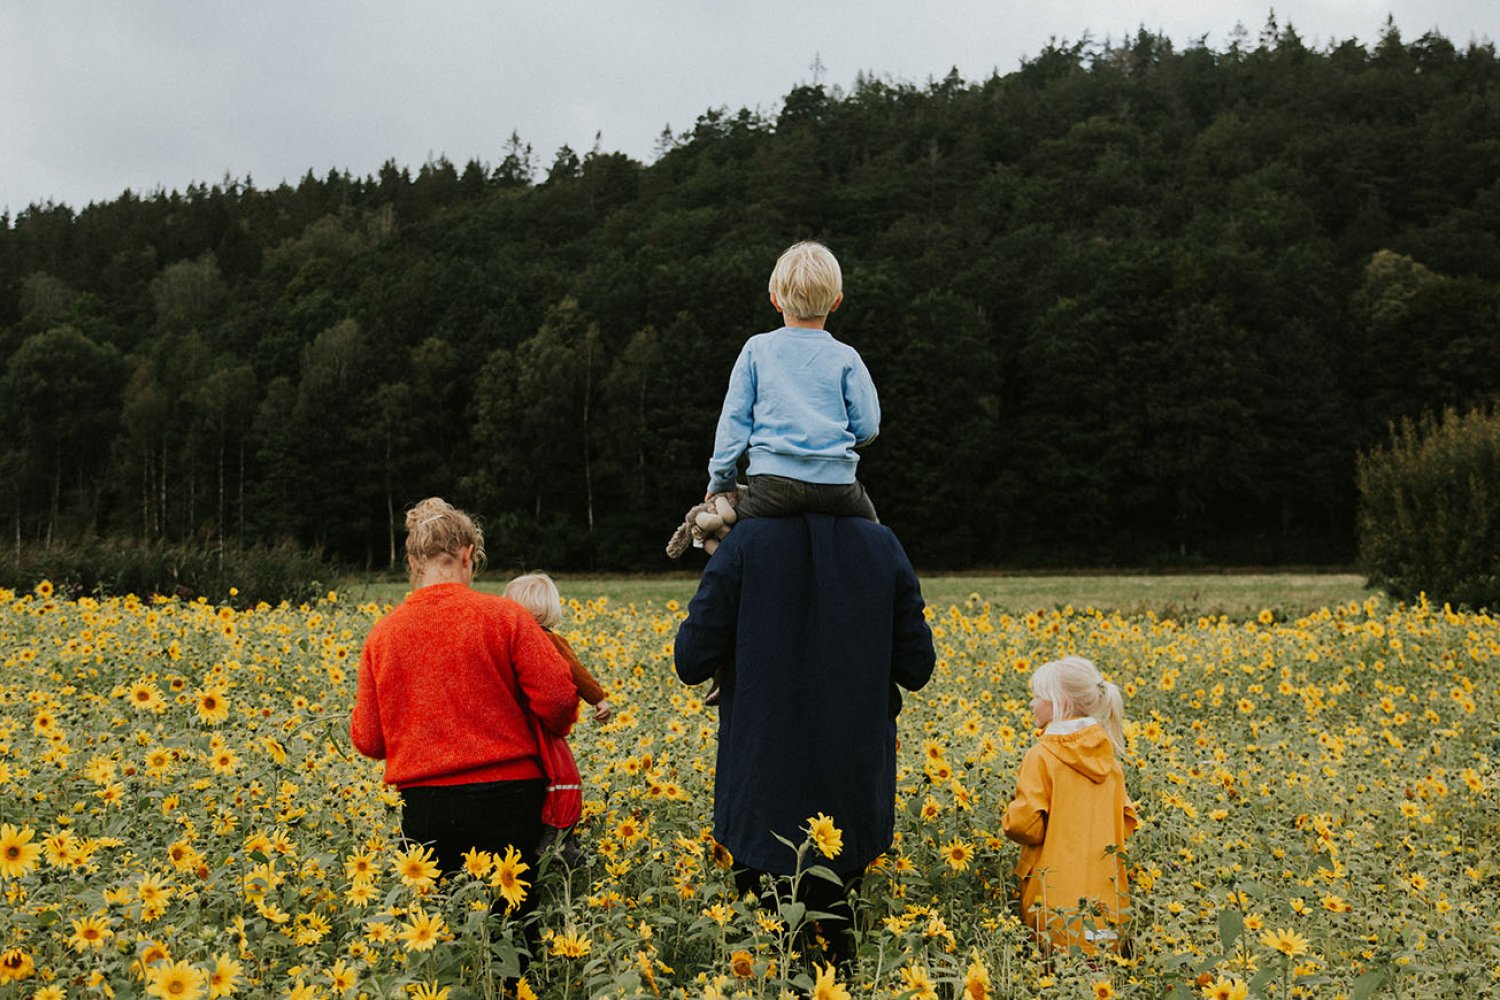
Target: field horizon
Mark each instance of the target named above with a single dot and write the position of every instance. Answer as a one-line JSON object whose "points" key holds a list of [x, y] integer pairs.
{"points": [[1174, 594]]}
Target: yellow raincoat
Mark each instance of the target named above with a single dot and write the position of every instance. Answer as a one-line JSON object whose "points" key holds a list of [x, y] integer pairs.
{"points": [[1070, 810]]}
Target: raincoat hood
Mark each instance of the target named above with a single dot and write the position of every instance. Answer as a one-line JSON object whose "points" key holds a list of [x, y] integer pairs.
{"points": [[1087, 751]]}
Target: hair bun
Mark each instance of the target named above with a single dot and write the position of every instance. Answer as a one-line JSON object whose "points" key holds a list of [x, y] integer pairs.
{"points": [[431, 507]]}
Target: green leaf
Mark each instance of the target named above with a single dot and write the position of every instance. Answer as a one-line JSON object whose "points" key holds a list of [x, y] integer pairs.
{"points": [[783, 840], [507, 961], [1264, 976], [793, 913], [1231, 924], [1368, 983], [825, 873]]}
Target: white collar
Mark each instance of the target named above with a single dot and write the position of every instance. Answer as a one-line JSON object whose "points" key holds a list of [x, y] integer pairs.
{"points": [[1069, 726]]}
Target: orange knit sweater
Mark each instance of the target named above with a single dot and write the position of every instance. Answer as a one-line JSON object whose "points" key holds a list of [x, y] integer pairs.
{"points": [[445, 682]]}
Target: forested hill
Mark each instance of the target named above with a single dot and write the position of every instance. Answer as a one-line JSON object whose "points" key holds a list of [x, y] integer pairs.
{"points": [[1123, 305]]}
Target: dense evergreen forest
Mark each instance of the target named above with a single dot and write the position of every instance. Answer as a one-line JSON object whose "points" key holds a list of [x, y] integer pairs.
{"points": [[1129, 304]]}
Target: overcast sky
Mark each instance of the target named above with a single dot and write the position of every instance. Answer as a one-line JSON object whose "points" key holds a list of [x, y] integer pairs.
{"points": [[97, 97]]}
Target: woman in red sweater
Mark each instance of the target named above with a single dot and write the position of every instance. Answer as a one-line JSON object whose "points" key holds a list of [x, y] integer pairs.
{"points": [[446, 682]]}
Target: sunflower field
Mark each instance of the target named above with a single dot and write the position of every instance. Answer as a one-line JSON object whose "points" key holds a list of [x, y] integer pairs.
{"points": [[182, 816]]}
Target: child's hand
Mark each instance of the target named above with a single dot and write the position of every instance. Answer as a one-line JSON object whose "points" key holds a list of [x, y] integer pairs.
{"points": [[603, 710]]}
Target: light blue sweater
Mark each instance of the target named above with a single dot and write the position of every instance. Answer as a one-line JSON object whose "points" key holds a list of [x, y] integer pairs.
{"points": [[799, 402]]}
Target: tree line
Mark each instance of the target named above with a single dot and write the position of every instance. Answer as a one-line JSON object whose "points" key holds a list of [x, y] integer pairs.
{"points": [[1128, 304]]}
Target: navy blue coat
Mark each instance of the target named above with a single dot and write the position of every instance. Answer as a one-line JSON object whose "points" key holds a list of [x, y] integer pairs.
{"points": [[813, 622]]}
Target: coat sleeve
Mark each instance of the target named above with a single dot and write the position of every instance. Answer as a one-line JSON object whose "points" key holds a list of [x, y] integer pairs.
{"points": [[543, 675], [1025, 819], [735, 421], [588, 688], [861, 403], [364, 723], [1132, 819], [912, 653], [706, 639]]}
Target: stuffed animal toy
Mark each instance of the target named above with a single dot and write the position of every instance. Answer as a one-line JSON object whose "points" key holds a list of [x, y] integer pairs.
{"points": [[704, 525]]}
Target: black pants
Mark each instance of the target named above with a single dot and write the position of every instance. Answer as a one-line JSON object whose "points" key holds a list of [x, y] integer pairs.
{"points": [[778, 496], [816, 894], [491, 816]]}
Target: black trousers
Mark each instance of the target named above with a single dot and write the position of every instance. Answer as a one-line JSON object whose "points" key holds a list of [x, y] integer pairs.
{"points": [[777, 496], [816, 894], [491, 816]]}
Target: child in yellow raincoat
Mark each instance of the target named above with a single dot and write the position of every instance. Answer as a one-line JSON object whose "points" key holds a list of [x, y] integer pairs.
{"points": [[1071, 814]]}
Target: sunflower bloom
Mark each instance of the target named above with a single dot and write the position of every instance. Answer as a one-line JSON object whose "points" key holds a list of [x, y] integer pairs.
{"points": [[507, 877], [478, 863], [826, 986], [1289, 943], [976, 981], [917, 982], [571, 944], [341, 978], [957, 854], [212, 706], [416, 867], [1226, 989], [423, 932], [175, 981], [223, 979], [827, 838], [17, 853], [15, 965], [359, 867], [427, 991], [90, 932]]}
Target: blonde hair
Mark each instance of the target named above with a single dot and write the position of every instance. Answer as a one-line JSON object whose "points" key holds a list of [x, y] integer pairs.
{"points": [[437, 530], [806, 281], [538, 594], [1075, 687]]}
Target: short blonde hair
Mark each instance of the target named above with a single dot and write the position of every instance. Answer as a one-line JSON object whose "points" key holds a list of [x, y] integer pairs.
{"points": [[437, 530], [538, 594], [806, 281], [1075, 687]]}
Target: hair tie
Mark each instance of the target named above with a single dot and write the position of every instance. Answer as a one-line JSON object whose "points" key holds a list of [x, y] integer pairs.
{"points": [[1101, 687]]}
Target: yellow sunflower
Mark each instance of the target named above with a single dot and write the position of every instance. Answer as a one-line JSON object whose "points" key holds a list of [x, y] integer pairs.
{"points": [[828, 838], [175, 981], [17, 853], [507, 877]]}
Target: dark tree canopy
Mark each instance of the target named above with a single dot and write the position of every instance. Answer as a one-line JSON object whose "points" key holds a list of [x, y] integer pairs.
{"points": [[1127, 304]]}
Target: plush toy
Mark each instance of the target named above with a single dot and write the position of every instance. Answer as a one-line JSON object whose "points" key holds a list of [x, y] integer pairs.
{"points": [[704, 525]]}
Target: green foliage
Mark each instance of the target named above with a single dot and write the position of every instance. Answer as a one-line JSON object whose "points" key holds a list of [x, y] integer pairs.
{"points": [[1429, 515], [239, 577], [1127, 305]]}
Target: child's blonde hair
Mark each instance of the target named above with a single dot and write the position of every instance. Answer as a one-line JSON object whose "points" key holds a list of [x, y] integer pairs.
{"points": [[435, 529], [806, 281], [538, 594], [1075, 687]]}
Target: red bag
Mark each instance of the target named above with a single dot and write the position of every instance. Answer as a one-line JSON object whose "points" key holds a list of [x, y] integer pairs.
{"points": [[564, 802]]}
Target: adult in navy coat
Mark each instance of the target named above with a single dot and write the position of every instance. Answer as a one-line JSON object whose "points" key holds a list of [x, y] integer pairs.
{"points": [[811, 622]]}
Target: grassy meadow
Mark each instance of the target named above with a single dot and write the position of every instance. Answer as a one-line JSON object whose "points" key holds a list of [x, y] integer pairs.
{"points": [[181, 814], [1237, 595]]}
